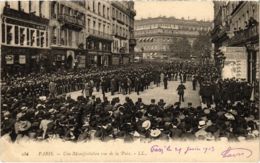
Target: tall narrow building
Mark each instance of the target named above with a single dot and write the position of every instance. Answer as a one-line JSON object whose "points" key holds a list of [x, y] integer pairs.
{"points": [[67, 34]]}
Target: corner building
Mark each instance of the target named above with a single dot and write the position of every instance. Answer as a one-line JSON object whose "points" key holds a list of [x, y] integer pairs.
{"points": [[155, 36], [24, 36]]}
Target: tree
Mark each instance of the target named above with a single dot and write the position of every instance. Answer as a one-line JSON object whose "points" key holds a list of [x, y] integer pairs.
{"points": [[181, 48], [202, 45]]}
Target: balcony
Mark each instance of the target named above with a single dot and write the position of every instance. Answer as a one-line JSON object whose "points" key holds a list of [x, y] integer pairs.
{"points": [[220, 32], [99, 34], [248, 34], [71, 21]]}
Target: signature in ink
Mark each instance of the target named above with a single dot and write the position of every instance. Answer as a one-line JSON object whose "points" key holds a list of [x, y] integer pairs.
{"points": [[236, 152]]}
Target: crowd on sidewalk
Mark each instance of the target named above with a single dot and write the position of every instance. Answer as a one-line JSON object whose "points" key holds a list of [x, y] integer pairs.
{"points": [[34, 107]]}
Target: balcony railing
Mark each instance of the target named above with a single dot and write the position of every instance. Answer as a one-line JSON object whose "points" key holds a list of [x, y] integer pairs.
{"points": [[245, 35], [99, 34], [72, 20]]}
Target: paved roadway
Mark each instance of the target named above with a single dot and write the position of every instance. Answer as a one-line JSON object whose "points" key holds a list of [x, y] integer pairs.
{"points": [[170, 95]]}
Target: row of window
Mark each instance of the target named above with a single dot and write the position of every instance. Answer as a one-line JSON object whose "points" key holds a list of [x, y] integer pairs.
{"points": [[57, 9], [239, 20], [66, 37], [119, 15], [102, 27], [242, 21], [98, 8], [105, 28], [118, 30], [23, 36], [172, 26], [166, 31], [29, 6], [156, 48], [97, 45], [117, 45]]}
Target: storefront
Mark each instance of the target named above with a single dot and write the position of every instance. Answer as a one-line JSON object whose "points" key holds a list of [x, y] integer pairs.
{"points": [[98, 59], [68, 58], [24, 42], [24, 60]]}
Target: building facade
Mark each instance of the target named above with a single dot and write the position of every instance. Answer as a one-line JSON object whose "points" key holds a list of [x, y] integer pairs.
{"points": [[67, 34], [99, 32], [123, 14], [39, 35], [24, 36], [156, 36], [236, 25]]}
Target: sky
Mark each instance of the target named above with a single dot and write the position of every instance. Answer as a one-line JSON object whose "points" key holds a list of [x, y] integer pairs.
{"points": [[200, 10]]}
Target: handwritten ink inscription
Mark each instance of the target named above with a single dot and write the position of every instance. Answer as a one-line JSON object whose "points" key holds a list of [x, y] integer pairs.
{"points": [[226, 153], [236, 152]]}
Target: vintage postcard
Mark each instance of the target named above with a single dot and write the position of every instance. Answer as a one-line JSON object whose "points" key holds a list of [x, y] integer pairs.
{"points": [[129, 81]]}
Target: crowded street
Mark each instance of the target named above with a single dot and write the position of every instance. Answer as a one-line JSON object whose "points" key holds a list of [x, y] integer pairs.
{"points": [[88, 70], [170, 96]]}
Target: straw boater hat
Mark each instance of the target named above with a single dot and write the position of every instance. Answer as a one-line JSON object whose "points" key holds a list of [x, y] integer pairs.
{"points": [[229, 116], [43, 98], [146, 124], [155, 133], [23, 125], [201, 123]]}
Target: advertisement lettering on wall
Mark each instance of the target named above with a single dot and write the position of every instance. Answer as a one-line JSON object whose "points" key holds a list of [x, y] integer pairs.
{"points": [[235, 65], [81, 61]]}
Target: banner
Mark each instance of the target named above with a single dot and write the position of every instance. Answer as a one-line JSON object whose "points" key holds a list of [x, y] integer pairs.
{"points": [[235, 65], [22, 59], [9, 59]]}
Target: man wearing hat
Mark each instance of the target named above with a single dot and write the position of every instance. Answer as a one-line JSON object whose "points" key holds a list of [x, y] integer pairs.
{"points": [[180, 90], [165, 81], [52, 89]]}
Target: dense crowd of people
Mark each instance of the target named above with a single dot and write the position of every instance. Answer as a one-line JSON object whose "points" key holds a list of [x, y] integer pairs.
{"points": [[35, 106]]}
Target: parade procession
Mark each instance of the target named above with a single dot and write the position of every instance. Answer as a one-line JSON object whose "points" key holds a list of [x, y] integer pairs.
{"points": [[95, 70]]}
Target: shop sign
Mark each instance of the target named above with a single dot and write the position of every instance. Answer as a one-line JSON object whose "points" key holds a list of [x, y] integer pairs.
{"points": [[22, 59], [25, 24], [9, 59], [115, 60], [81, 61]]}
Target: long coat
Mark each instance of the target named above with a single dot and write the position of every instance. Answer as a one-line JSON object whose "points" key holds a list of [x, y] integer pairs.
{"points": [[87, 90]]}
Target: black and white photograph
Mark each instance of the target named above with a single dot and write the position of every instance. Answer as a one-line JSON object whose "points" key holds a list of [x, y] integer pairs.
{"points": [[167, 76]]}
